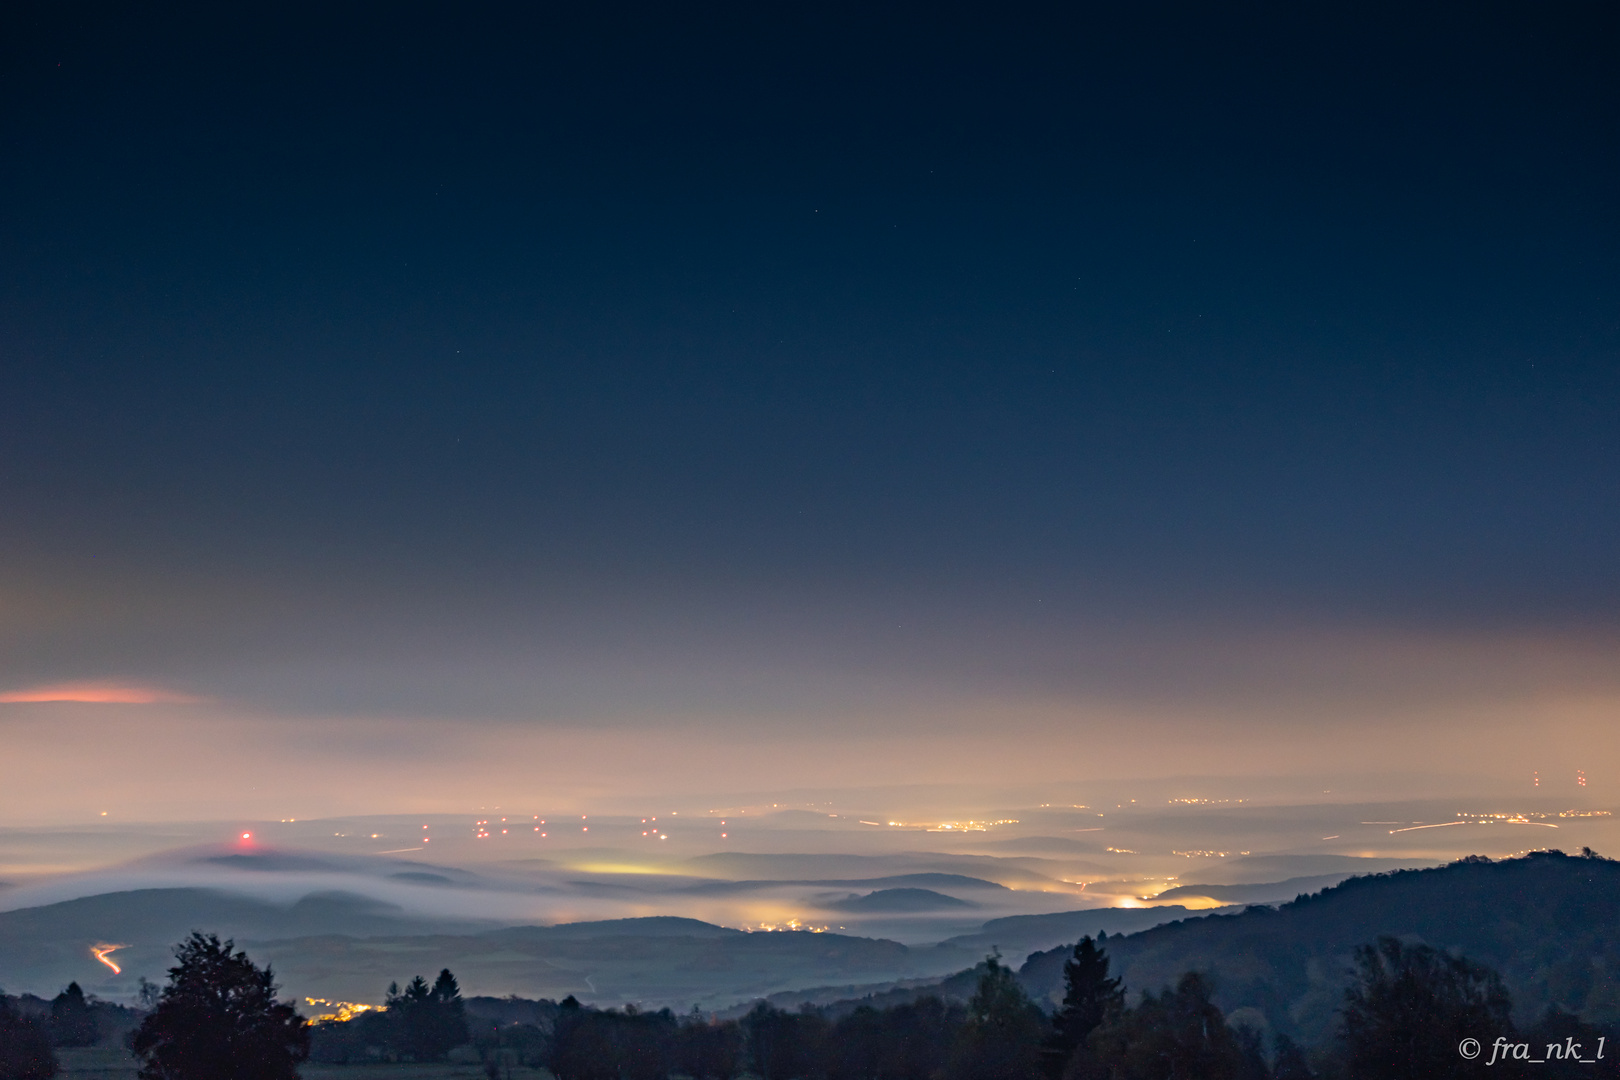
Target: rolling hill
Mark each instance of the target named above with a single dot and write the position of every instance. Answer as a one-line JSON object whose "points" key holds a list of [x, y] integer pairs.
{"points": [[1549, 922]]}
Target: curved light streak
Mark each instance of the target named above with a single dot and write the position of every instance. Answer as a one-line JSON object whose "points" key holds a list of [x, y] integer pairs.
{"points": [[1444, 824], [101, 952], [1441, 825]]}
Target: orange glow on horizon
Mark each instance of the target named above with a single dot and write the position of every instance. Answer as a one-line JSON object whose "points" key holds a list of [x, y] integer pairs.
{"points": [[97, 693]]}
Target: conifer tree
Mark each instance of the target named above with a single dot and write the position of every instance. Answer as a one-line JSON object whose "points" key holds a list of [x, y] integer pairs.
{"points": [[1090, 998], [72, 1023], [427, 1022], [218, 1019], [1002, 1036], [1409, 1007], [25, 1048]]}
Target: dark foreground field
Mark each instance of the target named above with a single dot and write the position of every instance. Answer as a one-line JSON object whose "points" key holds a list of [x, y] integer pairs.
{"points": [[114, 1063]]}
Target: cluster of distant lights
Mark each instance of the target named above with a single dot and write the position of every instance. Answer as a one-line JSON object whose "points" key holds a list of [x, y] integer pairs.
{"points": [[486, 828], [489, 828], [944, 826], [791, 926], [482, 829], [340, 1012], [1580, 778], [1466, 818]]}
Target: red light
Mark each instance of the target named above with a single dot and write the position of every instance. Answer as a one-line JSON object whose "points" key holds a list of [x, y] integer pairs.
{"points": [[247, 836]]}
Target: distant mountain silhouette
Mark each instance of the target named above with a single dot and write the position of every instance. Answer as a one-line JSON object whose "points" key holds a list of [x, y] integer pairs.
{"points": [[1549, 922], [652, 926], [1035, 845], [653, 962], [887, 901], [1014, 872], [273, 862], [1017, 935], [919, 881], [1261, 893], [1243, 869], [44, 947]]}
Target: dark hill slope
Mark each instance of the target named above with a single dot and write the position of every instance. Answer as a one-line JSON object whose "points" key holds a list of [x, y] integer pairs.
{"points": [[897, 900], [41, 948], [1550, 923]]}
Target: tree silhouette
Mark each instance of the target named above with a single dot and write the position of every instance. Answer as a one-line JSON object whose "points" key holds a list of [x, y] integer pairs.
{"points": [[428, 1021], [1002, 1036], [1251, 1054], [1289, 1061], [25, 1048], [1410, 1006], [218, 1019], [912, 1041], [707, 1050], [1575, 1039], [1090, 998], [784, 1045], [592, 1044], [1178, 1033], [579, 1049], [72, 1023]]}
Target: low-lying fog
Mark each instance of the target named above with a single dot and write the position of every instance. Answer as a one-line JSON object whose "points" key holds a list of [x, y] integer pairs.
{"points": [[917, 878]]}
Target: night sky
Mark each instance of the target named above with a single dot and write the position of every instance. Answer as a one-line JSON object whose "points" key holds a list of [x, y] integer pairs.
{"points": [[405, 403]]}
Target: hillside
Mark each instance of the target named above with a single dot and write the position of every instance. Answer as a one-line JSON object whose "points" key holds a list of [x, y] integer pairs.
{"points": [[1549, 922], [611, 964], [898, 900], [351, 947], [1018, 935], [41, 948]]}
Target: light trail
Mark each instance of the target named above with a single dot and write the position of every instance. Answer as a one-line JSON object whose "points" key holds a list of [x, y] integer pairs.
{"points": [[101, 952], [1443, 824]]}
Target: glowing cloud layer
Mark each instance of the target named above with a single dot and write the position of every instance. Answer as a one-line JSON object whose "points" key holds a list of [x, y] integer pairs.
{"points": [[98, 693]]}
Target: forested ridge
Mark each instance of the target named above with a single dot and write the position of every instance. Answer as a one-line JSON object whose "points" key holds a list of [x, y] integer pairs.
{"points": [[1384, 977], [1548, 922]]}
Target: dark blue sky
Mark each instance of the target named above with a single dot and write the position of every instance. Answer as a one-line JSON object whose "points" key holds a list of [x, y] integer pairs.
{"points": [[723, 330]]}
